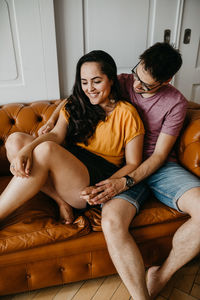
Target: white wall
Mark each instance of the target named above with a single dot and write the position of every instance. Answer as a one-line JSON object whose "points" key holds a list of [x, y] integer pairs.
{"points": [[69, 32], [111, 25], [125, 28]]}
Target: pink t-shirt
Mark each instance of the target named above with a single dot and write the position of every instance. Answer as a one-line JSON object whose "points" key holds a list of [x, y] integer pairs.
{"points": [[163, 112]]}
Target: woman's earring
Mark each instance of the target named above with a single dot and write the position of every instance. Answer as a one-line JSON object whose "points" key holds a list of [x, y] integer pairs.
{"points": [[112, 101]]}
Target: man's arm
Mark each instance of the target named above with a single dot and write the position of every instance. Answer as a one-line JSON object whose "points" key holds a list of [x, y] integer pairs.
{"points": [[163, 147], [117, 184]]}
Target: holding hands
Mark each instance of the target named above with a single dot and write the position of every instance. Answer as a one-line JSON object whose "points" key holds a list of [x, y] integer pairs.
{"points": [[103, 191]]}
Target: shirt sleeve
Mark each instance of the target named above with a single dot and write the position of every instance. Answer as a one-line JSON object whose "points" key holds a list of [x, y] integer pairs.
{"points": [[174, 119], [65, 114], [133, 125]]}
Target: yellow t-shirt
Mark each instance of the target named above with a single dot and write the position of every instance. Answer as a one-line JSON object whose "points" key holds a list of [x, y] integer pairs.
{"points": [[112, 135]]}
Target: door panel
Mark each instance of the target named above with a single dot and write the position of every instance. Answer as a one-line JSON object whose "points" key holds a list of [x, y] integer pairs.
{"points": [[188, 78], [118, 27], [28, 59], [164, 17]]}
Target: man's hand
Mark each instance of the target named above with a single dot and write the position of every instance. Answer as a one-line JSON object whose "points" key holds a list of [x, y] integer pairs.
{"points": [[104, 190]]}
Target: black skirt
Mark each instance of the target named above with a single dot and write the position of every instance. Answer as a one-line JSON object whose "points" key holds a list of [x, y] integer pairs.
{"points": [[98, 167]]}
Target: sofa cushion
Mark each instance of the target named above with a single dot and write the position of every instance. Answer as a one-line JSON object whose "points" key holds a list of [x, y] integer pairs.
{"points": [[36, 223], [153, 212]]}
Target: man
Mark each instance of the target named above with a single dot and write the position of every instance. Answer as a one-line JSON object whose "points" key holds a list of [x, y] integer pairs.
{"points": [[162, 109]]}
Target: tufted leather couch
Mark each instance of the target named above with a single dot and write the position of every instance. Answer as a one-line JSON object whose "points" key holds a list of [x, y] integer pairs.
{"points": [[37, 250]]}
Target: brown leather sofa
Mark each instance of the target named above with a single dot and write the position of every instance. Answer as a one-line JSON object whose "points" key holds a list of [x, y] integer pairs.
{"points": [[37, 250]]}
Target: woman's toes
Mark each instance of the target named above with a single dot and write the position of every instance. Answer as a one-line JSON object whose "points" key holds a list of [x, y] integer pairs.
{"points": [[66, 213]]}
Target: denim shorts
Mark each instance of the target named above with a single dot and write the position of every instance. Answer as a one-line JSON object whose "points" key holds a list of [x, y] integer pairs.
{"points": [[167, 184]]}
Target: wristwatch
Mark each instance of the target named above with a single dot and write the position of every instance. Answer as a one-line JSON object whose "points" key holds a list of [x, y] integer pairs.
{"points": [[129, 181]]}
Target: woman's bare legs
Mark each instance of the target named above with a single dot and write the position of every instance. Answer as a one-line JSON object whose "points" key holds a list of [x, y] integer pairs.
{"points": [[66, 211], [14, 143]]}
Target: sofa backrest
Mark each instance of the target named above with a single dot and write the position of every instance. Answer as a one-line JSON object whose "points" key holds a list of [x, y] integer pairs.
{"points": [[29, 117], [22, 117]]}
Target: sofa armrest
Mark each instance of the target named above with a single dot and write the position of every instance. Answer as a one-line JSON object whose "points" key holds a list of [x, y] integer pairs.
{"points": [[189, 147]]}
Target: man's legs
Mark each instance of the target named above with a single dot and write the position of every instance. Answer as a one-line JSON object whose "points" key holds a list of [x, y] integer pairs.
{"points": [[117, 215], [185, 243]]}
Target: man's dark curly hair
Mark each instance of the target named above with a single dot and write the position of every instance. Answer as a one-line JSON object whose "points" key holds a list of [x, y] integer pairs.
{"points": [[85, 116], [162, 61]]}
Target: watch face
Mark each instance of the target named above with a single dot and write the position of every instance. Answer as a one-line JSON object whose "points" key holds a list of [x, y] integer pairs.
{"points": [[129, 181]]}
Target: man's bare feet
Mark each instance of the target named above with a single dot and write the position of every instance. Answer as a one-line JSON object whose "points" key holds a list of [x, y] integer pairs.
{"points": [[66, 213], [154, 281]]}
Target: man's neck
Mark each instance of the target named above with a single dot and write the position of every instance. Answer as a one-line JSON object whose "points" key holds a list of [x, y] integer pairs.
{"points": [[147, 95]]}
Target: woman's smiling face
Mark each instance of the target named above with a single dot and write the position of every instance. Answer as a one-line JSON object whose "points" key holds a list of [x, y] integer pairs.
{"points": [[95, 84]]}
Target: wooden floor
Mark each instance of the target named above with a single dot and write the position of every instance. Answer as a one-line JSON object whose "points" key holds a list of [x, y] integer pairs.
{"points": [[185, 285]]}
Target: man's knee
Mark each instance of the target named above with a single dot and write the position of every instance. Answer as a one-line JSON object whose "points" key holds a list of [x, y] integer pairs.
{"points": [[110, 224], [195, 211], [189, 203], [116, 221]]}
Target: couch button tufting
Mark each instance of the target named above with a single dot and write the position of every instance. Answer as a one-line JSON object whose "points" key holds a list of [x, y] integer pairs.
{"points": [[28, 276], [62, 269], [39, 119], [12, 121], [89, 265]]}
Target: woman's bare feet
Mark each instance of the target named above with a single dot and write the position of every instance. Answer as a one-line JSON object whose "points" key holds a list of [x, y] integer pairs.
{"points": [[66, 213], [154, 281]]}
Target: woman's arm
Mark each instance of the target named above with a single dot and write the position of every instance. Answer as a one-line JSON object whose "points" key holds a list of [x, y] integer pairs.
{"points": [[49, 125], [21, 165], [112, 186]]}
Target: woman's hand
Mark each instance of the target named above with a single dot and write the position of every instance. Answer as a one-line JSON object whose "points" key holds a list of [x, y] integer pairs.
{"points": [[21, 164], [88, 194], [53, 119], [104, 190], [46, 127]]}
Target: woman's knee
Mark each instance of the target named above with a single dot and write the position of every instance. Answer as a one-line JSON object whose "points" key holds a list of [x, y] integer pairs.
{"points": [[15, 142], [45, 150]]}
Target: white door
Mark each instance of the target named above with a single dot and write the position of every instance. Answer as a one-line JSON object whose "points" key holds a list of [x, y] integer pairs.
{"points": [[28, 58], [116, 27], [119, 27], [188, 78]]}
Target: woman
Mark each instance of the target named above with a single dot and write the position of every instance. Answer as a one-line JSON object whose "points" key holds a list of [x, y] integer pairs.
{"points": [[99, 131]]}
